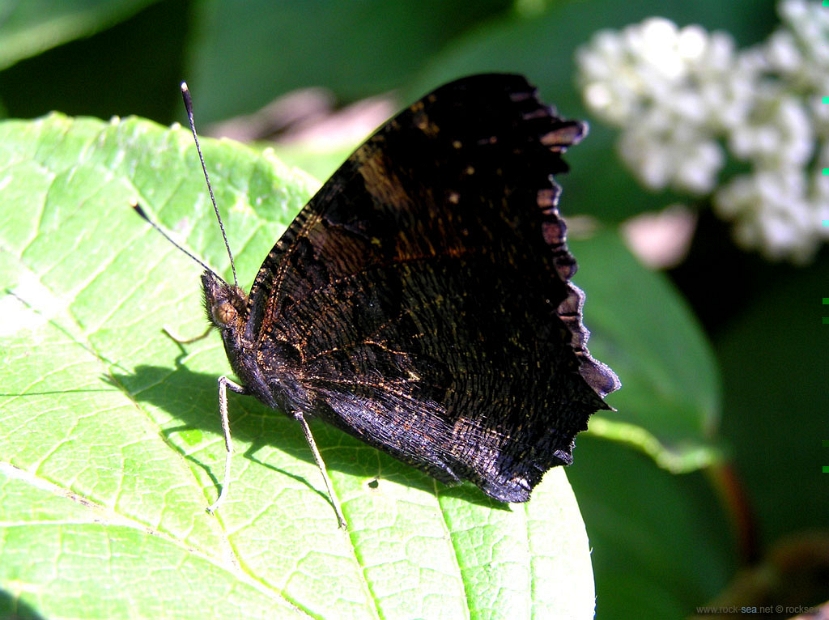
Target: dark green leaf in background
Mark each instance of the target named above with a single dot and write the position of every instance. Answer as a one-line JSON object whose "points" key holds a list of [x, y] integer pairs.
{"points": [[132, 67], [34, 26], [355, 48]]}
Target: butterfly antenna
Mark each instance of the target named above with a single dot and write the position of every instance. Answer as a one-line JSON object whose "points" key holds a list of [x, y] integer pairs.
{"points": [[140, 211], [188, 105]]}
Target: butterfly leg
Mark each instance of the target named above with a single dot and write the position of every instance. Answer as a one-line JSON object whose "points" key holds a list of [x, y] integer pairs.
{"points": [[298, 415], [224, 385], [181, 340]]}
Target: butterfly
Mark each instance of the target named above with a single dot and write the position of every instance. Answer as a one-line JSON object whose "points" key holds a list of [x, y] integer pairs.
{"points": [[421, 301]]}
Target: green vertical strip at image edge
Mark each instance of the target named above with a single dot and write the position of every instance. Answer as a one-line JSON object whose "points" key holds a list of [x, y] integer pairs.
{"points": [[826, 101], [825, 441]]}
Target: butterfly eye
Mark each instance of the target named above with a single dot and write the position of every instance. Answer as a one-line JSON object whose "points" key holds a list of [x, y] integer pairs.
{"points": [[225, 313]]}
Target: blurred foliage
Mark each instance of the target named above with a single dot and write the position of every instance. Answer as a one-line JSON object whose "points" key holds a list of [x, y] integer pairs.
{"points": [[662, 542]]}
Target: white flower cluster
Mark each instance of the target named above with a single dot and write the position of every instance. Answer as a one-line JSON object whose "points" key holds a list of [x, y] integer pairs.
{"points": [[686, 98]]}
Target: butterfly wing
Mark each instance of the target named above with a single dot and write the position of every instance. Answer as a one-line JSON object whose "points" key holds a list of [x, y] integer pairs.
{"points": [[421, 300]]}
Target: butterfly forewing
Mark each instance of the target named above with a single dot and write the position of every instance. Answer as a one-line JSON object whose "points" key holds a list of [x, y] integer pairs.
{"points": [[421, 300]]}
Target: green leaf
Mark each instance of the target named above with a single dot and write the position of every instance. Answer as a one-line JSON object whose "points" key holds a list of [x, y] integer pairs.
{"points": [[661, 543], [670, 403], [110, 443]]}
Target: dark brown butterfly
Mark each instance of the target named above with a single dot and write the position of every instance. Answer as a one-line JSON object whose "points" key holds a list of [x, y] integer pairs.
{"points": [[421, 301]]}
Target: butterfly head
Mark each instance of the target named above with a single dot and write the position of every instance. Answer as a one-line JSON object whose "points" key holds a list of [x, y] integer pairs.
{"points": [[226, 304]]}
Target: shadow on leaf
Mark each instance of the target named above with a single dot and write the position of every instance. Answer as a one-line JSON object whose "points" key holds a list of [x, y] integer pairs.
{"points": [[12, 608], [192, 398]]}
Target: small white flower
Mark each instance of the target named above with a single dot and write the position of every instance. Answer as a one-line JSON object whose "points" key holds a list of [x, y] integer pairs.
{"points": [[698, 173], [809, 23], [782, 52], [777, 133], [692, 43], [784, 228], [654, 47]]}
